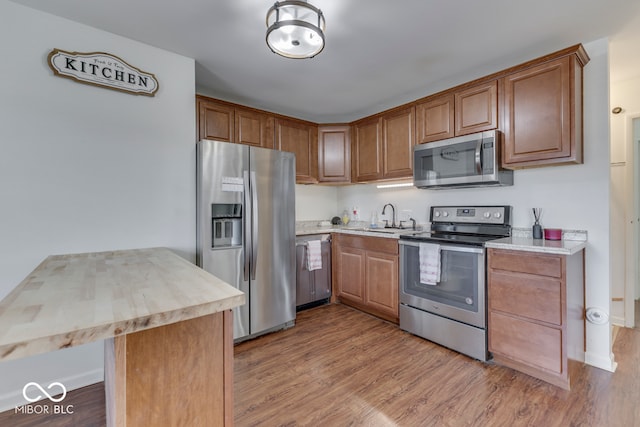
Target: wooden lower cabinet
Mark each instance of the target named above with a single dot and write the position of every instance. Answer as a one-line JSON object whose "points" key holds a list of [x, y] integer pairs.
{"points": [[365, 274], [536, 312]]}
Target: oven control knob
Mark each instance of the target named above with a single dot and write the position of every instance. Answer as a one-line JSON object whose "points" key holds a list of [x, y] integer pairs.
{"points": [[487, 214], [436, 214], [497, 215], [445, 214]]}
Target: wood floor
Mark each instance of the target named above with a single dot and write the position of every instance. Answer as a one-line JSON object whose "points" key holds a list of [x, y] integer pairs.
{"points": [[340, 367]]}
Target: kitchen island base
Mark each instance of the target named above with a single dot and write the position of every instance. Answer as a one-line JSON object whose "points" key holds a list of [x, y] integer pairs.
{"points": [[177, 374], [167, 325]]}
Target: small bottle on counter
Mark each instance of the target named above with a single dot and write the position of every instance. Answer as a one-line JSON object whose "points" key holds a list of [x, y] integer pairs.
{"points": [[345, 217], [374, 220], [537, 228]]}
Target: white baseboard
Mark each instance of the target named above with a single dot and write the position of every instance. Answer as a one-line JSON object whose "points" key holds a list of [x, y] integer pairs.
{"points": [[9, 401], [606, 363], [617, 320]]}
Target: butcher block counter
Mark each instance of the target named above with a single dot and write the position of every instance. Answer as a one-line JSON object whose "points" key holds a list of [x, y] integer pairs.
{"points": [[167, 325]]}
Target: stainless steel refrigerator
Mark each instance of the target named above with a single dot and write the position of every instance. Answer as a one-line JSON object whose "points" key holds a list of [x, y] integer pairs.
{"points": [[246, 230]]}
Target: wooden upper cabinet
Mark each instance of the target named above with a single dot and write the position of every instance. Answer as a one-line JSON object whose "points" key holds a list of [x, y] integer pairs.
{"points": [[457, 112], [367, 150], [221, 121], [334, 154], [434, 119], [254, 128], [383, 146], [476, 108], [300, 138], [215, 120], [397, 141], [543, 113]]}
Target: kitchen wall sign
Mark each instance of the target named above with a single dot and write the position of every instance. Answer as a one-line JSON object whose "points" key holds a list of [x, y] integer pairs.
{"points": [[104, 70]]}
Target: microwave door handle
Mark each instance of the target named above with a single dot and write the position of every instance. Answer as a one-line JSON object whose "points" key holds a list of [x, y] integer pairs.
{"points": [[479, 157]]}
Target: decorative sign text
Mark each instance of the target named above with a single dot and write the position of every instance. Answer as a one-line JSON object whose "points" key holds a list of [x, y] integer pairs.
{"points": [[104, 70]]}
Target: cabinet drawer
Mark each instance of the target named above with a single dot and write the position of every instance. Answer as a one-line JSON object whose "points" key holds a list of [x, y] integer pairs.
{"points": [[525, 342], [534, 297], [377, 244], [526, 262]]}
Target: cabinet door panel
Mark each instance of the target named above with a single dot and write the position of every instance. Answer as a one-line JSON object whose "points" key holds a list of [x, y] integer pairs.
{"points": [[477, 108], [367, 151], [351, 277], [434, 119], [382, 282], [302, 140], [254, 128], [525, 342], [216, 121], [334, 154], [538, 113], [398, 141], [540, 264], [533, 297]]}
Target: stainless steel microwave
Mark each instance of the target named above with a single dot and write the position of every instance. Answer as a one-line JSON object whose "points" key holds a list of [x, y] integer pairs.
{"points": [[464, 161]]}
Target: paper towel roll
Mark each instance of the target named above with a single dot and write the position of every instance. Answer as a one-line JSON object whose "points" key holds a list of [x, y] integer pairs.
{"points": [[597, 316]]}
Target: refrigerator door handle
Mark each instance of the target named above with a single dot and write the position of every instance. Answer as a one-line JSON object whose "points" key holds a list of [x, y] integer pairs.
{"points": [[254, 225], [246, 226]]}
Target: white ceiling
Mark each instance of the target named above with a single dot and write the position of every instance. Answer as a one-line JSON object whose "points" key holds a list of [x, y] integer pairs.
{"points": [[378, 54]]}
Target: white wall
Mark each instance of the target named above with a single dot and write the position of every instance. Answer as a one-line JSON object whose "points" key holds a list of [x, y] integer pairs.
{"points": [[85, 168], [316, 202], [571, 197], [624, 94]]}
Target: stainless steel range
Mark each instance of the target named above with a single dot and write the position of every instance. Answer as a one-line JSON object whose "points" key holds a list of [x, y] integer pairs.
{"points": [[443, 279]]}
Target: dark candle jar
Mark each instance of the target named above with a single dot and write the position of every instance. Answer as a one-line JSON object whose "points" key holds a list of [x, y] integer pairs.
{"points": [[537, 230]]}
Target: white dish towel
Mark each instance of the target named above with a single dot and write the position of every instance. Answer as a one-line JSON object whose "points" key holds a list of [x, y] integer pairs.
{"points": [[429, 263], [314, 255]]}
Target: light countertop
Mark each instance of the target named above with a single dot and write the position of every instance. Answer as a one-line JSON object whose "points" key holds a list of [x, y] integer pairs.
{"points": [[571, 243], [70, 300], [304, 228]]}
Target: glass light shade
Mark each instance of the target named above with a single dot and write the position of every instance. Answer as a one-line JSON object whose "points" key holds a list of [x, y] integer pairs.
{"points": [[295, 29]]}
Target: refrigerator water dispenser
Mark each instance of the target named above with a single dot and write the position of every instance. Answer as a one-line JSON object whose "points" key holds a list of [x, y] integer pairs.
{"points": [[226, 225]]}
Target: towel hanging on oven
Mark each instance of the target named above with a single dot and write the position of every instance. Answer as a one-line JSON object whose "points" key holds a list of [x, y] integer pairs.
{"points": [[314, 255], [429, 263]]}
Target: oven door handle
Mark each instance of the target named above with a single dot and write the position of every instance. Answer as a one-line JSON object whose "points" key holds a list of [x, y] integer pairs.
{"points": [[452, 248]]}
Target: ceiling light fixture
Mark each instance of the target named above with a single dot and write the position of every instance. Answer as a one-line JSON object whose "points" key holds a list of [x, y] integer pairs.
{"points": [[295, 29]]}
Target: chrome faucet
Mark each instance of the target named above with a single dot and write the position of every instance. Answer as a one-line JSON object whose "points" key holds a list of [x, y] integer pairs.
{"points": [[393, 215]]}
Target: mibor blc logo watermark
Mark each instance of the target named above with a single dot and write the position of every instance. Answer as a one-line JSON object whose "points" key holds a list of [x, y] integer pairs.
{"points": [[34, 392]]}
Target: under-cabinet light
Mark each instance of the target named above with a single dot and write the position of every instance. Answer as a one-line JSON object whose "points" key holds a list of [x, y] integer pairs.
{"points": [[395, 185]]}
